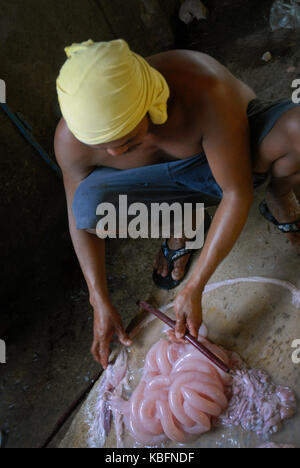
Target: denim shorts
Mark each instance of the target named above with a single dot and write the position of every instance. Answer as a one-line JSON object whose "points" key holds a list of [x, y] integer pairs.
{"points": [[187, 180]]}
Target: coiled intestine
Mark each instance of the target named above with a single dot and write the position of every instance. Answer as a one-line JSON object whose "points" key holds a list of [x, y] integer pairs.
{"points": [[179, 393], [182, 394]]}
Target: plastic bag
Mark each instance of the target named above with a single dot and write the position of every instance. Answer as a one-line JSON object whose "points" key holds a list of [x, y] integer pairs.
{"points": [[285, 14], [192, 9]]}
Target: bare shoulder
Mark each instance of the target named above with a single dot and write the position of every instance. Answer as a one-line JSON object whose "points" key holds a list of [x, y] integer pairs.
{"points": [[188, 62], [199, 74], [72, 156]]}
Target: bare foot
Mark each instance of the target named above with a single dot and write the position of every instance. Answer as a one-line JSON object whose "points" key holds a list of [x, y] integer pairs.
{"points": [[286, 209], [161, 263]]}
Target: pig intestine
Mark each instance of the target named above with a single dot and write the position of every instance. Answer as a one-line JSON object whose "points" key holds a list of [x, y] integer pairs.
{"points": [[182, 394], [178, 395], [247, 403]]}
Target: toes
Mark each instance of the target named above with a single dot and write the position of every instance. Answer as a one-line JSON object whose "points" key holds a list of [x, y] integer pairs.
{"points": [[177, 273], [161, 266], [179, 268]]}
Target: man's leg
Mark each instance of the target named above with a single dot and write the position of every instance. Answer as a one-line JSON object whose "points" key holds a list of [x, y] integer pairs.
{"points": [[191, 174], [161, 264], [146, 184], [279, 152], [166, 182]]}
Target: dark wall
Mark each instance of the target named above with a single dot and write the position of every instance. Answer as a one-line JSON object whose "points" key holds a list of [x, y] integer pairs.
{"points": [[33, 34]]}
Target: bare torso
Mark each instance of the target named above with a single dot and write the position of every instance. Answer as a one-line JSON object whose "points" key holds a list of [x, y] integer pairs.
{"points": [[188, 75]]}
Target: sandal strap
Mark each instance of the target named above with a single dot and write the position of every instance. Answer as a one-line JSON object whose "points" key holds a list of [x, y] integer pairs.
{"points": [[173, 255], [283, 227], [290, 227]]}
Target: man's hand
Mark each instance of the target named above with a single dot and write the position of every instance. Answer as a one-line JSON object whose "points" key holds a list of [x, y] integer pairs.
{"points": [[107, 322], [188, 309]]}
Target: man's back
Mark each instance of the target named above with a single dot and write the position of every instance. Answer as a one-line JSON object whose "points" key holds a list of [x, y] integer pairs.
{"points": [[191, 77]]}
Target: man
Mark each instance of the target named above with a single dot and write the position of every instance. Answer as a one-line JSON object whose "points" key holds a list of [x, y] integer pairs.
{"points": [[177, 126]]}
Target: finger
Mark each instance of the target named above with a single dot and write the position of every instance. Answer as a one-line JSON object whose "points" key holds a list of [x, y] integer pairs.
{"points": [[95, 351], [193, 327], [172, 337], [100, 352], [104, 352], [123, 337], [193, 330], [180, 328]]}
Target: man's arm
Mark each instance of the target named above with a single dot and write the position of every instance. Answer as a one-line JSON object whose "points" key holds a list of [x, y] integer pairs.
{"points": [[226, 144], [90, 251]]}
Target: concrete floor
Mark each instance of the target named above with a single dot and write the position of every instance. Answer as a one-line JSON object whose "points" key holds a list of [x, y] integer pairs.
{"points": [[49, 363]]}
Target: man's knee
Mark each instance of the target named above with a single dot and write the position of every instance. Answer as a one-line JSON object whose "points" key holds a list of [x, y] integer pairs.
{"points": [[286, 166], [292, 129], [289, 164], [86, 202]]}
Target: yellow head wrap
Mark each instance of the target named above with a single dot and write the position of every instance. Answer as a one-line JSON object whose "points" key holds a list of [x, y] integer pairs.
{"points": [[105, 90]]}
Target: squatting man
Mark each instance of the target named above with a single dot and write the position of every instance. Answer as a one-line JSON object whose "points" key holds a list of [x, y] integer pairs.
{"points": [[176, 126]]}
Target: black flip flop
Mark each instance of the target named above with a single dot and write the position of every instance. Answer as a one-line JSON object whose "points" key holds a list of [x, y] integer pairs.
{"points": [[168, 282], [283, 227]]}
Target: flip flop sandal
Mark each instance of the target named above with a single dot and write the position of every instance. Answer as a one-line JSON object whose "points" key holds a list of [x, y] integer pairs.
{"points": [[283, 227], [168, 282]]}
